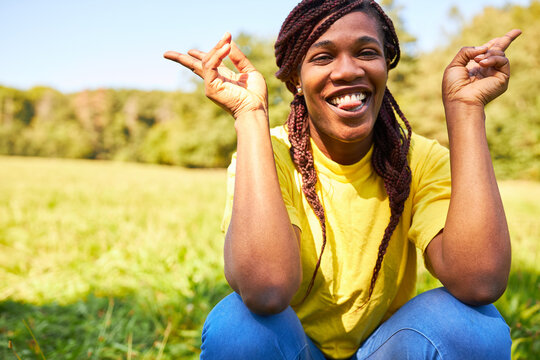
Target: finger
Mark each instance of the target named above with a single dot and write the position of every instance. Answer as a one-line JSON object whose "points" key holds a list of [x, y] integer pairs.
{"points": [[187, 61], [211, 63], [200, 55], [212, 60], [502, 43], [197, 54], [466, 54], [226, 38], [488, 54], [239, 60], [494, 61]]}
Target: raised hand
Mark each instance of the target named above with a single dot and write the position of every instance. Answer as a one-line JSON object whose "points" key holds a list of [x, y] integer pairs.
{"points": [[238, 93], [477, 75]]}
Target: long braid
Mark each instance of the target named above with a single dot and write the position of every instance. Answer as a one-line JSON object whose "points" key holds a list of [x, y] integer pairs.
{"points": [[389, 161], [298, 128], [297, 35], [391, 142]]}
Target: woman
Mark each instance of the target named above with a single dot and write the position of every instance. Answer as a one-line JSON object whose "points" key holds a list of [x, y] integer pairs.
{"points": [[328, 209]]}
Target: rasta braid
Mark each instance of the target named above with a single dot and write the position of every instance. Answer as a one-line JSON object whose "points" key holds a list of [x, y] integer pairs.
{"points": [[297, 35], [391, 141]]}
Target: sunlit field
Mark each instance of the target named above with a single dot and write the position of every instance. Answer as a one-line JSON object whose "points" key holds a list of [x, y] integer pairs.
{"points": [[104, 260]]}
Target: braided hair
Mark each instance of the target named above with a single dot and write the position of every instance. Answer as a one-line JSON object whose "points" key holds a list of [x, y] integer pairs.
{"points": [[391, 142]]}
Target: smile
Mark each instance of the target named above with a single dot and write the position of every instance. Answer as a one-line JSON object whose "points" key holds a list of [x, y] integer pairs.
{"points": [[350, 102]]}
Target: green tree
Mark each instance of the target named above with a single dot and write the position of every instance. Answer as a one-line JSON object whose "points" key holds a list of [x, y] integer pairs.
{"points": [[513, 124], [188, 130], [400, 81]]}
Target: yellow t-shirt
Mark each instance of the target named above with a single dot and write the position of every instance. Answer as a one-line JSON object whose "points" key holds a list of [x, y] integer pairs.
{"points": [[357, 213]]}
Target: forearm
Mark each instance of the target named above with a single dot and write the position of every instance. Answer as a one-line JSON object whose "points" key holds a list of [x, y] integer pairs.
{"points": [[476, 243], [262, 257]]}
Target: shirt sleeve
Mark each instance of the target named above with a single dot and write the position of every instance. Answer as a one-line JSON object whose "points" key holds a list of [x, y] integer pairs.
{"points": [[430, 188], [286, 174]]}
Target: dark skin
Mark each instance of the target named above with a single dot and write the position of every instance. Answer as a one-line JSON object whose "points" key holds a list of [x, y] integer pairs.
{"points": [[262, 258], [471, 256], [347, 59]]}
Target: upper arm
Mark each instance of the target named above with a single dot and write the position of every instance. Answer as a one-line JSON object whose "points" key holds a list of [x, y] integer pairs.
{"points": [[433, 255], [430, 193]]}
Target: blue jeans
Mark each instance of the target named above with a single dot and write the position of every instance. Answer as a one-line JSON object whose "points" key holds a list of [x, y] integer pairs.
{"points": [[433, 325]]}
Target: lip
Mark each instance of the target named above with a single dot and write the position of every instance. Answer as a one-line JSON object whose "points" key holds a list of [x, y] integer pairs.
{"points": [[346, 91], [347, 114]]}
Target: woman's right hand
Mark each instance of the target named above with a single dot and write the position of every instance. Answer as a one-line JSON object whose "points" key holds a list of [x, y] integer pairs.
{"points": [[261, 258], [237, 93]]}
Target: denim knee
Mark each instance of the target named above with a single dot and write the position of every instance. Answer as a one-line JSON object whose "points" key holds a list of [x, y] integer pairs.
{"points": [[402, 344], [457, 330], [231, 331]]}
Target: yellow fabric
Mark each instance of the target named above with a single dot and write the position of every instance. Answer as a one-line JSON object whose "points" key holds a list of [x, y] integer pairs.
{"points": [[357, 213]]}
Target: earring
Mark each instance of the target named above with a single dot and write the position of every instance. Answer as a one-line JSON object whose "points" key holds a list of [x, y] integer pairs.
{"points": [[299, 91]]}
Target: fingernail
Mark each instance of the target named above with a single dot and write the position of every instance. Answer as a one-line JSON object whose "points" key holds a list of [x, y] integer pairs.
{"points": [[480, 48]]}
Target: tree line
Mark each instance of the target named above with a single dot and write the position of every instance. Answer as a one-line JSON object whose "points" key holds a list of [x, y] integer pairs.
{"points": [[185, 129]]}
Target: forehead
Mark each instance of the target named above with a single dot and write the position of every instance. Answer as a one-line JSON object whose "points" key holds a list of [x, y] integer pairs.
{"points": [[355, 24]]}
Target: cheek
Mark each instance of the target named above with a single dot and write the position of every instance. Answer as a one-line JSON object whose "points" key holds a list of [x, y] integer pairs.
{"points": [[312, 89], [315, 110], [312, 78], [381, 73], [380, 78]]}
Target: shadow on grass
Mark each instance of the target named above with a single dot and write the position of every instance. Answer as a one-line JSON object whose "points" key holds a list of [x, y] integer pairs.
{"points": [[145, 326], [131, 326]]}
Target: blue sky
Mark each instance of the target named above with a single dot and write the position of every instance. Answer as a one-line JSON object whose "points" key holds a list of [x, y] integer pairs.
{"points": [[78, 44]]}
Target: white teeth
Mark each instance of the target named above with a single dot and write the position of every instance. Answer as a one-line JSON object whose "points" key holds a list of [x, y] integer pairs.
{"points": [[347, 98]]}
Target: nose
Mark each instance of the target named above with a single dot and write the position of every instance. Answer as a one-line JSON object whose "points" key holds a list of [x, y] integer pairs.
{"points": [[347, 68]]}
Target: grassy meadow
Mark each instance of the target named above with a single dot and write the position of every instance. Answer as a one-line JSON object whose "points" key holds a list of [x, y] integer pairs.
{"points": [[105, 260]]}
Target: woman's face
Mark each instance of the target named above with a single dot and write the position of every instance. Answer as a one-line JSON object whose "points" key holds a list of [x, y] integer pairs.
{"points": [[343, 77]]}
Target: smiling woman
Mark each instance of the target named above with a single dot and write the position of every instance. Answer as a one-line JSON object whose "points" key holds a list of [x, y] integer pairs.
{"points": [[324, 213], [343, 77]]}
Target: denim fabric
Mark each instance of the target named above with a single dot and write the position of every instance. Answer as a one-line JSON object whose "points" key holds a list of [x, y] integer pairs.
{"points": [[433, 325]]}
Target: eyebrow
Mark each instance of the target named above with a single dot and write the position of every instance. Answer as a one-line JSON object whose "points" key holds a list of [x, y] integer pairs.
{"points": [[361, 40]]}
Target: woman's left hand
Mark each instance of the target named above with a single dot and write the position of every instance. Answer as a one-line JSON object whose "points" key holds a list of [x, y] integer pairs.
{"points": [[477, 75]]}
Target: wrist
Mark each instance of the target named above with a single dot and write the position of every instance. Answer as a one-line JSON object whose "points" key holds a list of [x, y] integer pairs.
{"points": [[462, 114], [463, 107], [251, 118], [466, 128]]}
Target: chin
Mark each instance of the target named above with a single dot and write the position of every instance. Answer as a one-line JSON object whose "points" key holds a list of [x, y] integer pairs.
{"points": [[352, 139], [346, 137], [355, 134]]}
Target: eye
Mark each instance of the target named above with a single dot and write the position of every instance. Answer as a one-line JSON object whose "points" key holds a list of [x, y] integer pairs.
{"points": [[322, 58], [369, 54]]}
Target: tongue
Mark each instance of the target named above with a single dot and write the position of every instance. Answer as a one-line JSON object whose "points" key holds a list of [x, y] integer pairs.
{"points": [[349, 105]]}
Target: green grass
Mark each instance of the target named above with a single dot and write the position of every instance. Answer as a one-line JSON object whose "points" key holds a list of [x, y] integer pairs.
{"points": [[124, 261], [520, 304], [97, 256]]}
